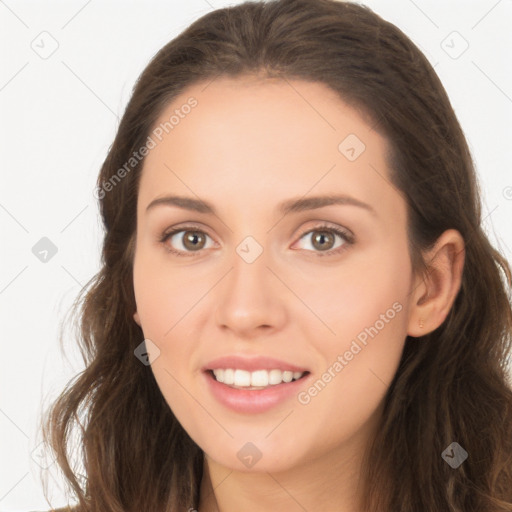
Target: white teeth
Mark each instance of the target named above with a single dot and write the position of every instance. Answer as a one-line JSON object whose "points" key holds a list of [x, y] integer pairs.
{"points": [[256, 379], [275, 377], [242, 378], [259, 378], [229, 376], [287, 376]]}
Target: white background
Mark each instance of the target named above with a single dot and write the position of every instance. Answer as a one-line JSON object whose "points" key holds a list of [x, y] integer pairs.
{"points": [[60, 114]]}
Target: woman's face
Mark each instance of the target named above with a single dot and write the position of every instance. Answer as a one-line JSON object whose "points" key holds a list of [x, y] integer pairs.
{"points": [[290, 259]]}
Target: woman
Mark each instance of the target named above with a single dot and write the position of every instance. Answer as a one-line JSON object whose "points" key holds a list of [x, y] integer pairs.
{"points": [[298, 308]]}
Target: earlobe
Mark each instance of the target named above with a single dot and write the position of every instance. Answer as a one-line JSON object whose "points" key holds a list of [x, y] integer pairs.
{"points": [[419, 311], [435, 292], [137, 318]]}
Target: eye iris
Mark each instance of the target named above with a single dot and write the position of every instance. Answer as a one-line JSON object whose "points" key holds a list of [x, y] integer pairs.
{"points": [[192, 237], [320, 237]]}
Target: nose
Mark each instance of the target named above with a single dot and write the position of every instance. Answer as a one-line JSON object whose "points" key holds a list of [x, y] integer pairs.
{"points": [[250, 299]]}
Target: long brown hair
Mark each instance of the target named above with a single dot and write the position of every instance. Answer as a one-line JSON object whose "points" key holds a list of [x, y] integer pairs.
{"points": [[451, 385]]}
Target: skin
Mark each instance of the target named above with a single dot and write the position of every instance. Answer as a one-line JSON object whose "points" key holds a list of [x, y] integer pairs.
{"points": [[247, 146]]}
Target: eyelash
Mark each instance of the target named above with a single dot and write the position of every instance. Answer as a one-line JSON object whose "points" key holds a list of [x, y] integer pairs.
{"points": [[347, 237]]}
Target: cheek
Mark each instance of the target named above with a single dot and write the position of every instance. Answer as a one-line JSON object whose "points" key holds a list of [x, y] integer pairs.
{"points": [[365, 309], [351, 296], [163, 299], [169, 301], [359, 363], [163, 295]]}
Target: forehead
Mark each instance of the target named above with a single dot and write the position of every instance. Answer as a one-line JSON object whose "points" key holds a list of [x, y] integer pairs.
{"points": [[248, 138]]}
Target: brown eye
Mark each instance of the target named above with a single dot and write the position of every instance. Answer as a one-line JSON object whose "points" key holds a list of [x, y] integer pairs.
{"points": [[323, 240], [193, 240], [185, 241]]}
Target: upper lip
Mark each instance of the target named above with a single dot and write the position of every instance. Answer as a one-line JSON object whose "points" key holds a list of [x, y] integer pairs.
{"points": [[251, 364]]}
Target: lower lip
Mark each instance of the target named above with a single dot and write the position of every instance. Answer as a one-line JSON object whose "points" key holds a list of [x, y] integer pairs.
{"points": [[255, 400]]}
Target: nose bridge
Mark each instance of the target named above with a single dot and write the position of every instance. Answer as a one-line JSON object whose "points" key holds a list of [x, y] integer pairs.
{"points": [[249, 297]]}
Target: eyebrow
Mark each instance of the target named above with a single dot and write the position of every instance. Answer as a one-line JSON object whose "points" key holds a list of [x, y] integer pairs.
{"points": [[289, 206]]}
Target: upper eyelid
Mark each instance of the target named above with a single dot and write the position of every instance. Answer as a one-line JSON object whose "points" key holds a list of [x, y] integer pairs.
{"points": [[320, 225], [175, 230]]}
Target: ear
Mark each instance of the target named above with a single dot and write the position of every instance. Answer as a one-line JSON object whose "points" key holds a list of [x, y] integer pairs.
{"points": [[136, 318], [433, 293]]}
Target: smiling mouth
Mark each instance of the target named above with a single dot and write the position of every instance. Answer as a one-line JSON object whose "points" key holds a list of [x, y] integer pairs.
{"points": [[256, 380]]}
